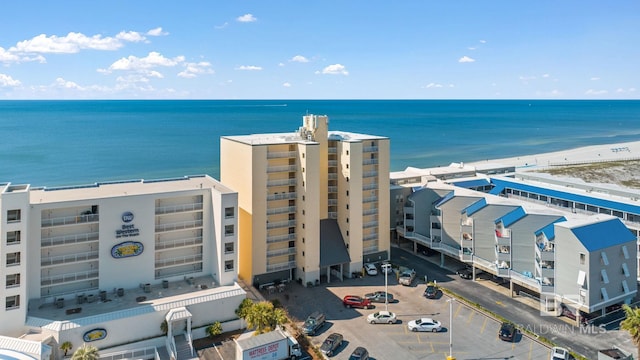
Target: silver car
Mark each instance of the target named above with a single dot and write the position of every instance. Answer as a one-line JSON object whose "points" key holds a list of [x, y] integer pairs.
{"points": [[382, 317], [424, 324]]}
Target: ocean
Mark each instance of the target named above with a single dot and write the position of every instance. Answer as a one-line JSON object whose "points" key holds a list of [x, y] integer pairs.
{"points": [[54, 143]]}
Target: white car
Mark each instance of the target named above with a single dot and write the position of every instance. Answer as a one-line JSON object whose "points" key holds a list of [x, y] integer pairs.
{"points": [[424, 324], [382, 317], [370, 269], [558, 353], [386, 268]]}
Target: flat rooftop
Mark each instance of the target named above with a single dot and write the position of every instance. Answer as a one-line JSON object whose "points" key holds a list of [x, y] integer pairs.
{"points": [[124, 188], [294, 137]]}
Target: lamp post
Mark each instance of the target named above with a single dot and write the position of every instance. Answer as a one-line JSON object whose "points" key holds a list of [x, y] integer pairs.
{"points": [[386, 288], [450, 357]]}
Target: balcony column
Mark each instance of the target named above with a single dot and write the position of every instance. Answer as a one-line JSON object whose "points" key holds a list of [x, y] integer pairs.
{"points": [[511, 287]]}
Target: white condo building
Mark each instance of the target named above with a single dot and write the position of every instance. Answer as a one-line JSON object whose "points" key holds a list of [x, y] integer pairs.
{"points": [[106, 264]]}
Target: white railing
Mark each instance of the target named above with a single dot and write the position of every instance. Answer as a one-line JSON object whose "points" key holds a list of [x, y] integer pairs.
{"points": [[179, 225], [190, 342], [69, 239], [367, 174], [370, 212], [281, 210], [171, 348], [144, 353], [370, 237], [282, 266], [180, 260], [370, 224], [169, 244], [77, 276], [333, 214], [333, 150], [281, 154], [282, 196], [370, 199], [370, 161], [281, 224], [332, 176], [333, 162], [370, 249], [70, 220], [170, 209], [282, 182], [370, 149], [333, 202], [71, 258], [333, 189], [285, 168], [278, 238], [280, 252], [370, 186]]}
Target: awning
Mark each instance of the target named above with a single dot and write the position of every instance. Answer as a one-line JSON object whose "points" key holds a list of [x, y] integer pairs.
{"points": [[333, 250]]}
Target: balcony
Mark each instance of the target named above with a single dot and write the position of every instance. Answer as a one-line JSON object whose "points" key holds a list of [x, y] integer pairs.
{"points": [[333, 215], [524, 280], [373, 211], [284, 168], [67, 278], [177, 243], [281, 196], [370, 199], [370, 186], [466, 238], [465, 255], [178, 208], [368, 174], [278, 238], [370, 237], [281, 224], [333, 189], [333, 163], [281, 266], [370, 162], [281, 210], [369, 249], [190, 224], [503, 272], [180, 260], [368, 149], [370, 224], [66, 259], [282, 182], [69, 239], [545, 269], [280, 252], [453, 251], [70, 220], [545, 253], [547, 288], [332, 176], [281, 154], [503, 253], [332, 150]]}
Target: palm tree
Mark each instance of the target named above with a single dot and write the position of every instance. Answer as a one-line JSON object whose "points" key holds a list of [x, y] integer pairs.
{"points": [[86, 352], [244, 307], [66, 346], [264, 317], [214, 329], [164, 327], [631, 324]]}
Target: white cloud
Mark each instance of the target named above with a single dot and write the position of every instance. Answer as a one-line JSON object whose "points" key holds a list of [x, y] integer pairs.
{"points": [[623, 91], [194, 69], [286, 84], [300, 59], [546, 76], [249, 68], [527, 77], [68, 44], [60, 82], [222, 26], [280, 64], [157, 32], [483, 41], [433, 85], [130, 36], [154, 59], [8, 81], [335, 69], [595, 92], [246, 18], [6, 56], [466, 59], [595, 78]]}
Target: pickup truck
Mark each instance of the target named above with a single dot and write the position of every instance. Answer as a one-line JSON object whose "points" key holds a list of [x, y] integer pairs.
{"points": [[406, 277]]}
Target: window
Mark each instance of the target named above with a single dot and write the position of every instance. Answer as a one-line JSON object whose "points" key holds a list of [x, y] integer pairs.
{"points": [[625, 287], [228, 248], [347, 179], [603, 276], [583, 258], [228, 230], [292, 244], [303, 253], [302, 197], [347, 152], [303, 225], [347, 220], [347, 192], [13, 302], [625, 252], [13, 237], [228, 212], [625, 269], [603, 294], [347, 232], [347, 206], [228, 265], [13, 259], [347, 166], [604, 259], [13, 280], [13, 215]]}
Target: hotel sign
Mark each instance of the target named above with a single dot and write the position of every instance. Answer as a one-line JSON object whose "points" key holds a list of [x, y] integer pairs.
{"points": [[127, 229], [95, 334]]}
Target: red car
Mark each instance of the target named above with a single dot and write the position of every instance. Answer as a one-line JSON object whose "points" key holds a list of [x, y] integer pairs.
{"points": [[357, 302]]}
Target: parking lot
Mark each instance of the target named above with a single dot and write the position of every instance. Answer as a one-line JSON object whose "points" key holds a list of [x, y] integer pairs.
{"points": [[474, 335]]}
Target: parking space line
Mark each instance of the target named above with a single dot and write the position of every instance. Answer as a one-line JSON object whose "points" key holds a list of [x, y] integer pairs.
{"points": [[457, 310], [530, 349], [484, 325], [471, 315]]}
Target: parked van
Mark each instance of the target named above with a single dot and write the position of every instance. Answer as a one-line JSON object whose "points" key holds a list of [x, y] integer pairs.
{"points": [[314, 322]]}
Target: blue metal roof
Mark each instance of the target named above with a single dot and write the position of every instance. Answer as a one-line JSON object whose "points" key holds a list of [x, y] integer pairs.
{"points": [[549, 230], [603, 234], [475, 207], [444, 199], [512, 216], [583, 199], [469, 184]]}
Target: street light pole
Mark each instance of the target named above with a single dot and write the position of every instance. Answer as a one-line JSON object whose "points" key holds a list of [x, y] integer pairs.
{"points": [[386, 292], [450, 357]]}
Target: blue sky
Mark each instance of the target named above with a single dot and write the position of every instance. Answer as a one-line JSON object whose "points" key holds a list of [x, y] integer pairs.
{"points": [[320, 50]]}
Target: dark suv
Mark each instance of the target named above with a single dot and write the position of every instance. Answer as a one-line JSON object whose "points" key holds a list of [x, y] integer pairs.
{"points": [[313, 323], [507, 332], [331, 344]]}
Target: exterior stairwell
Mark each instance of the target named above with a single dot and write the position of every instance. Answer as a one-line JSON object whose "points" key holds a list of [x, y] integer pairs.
{"points": [[183, 348]]}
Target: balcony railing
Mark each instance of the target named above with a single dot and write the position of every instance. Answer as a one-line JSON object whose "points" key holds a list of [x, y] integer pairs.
{"points": [[333, 163], [370, 212], [280, 252], [333, 215], [282, 182], [368, 174], [281, 210], [369, 149], [281, 266], [284, 168], [370, 161], [370, 224], [71, 258], [332, 176], [180, 260], [170, 244], [277, 238], [370, 186], [370, 249], [332, 150], [178, 208], [70, 220], [69, 239], [282, 196], [281, 224], [333, 189], [179, 225], [370, 199], [281, 154], [65, 278], [370, 237]]}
